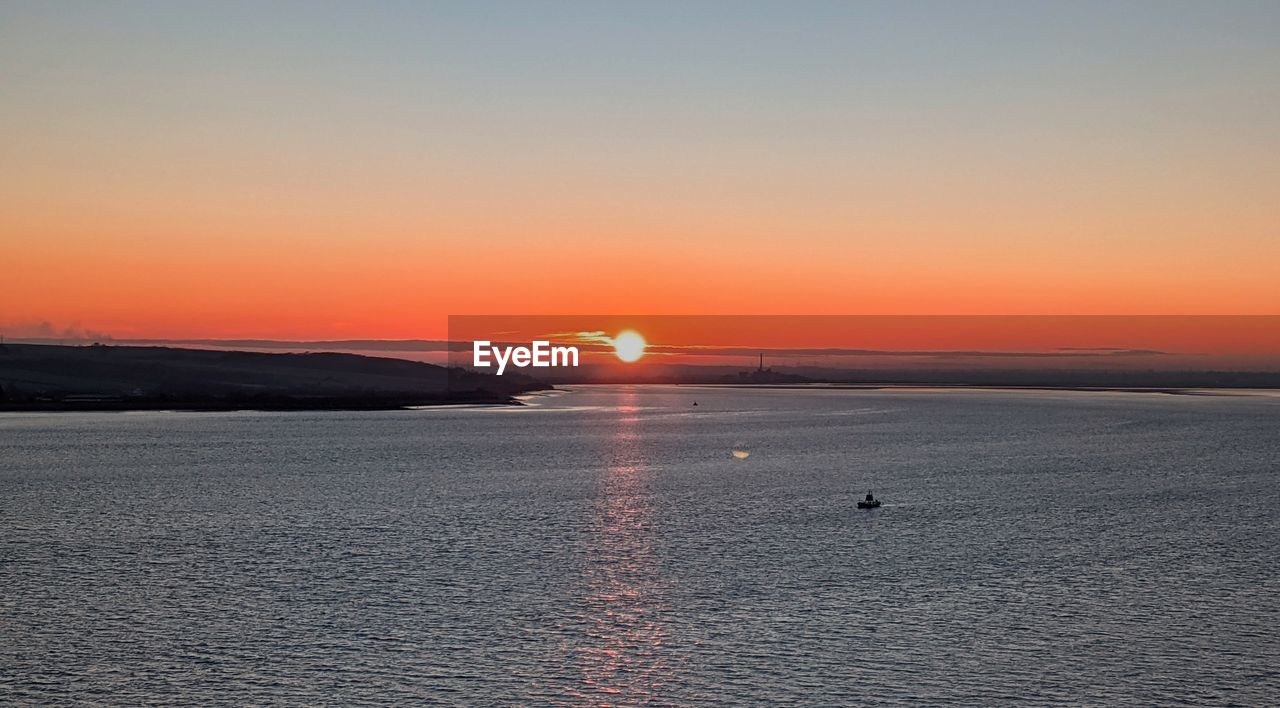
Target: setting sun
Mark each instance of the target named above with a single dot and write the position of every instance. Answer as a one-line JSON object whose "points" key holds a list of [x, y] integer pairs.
{"points": [[629, 345]]}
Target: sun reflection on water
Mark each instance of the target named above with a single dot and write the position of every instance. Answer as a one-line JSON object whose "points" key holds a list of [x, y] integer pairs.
{"points": [[622, 656]]}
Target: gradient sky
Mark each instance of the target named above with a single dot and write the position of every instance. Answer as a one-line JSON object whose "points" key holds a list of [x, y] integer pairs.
{"points": [[330, 170]]}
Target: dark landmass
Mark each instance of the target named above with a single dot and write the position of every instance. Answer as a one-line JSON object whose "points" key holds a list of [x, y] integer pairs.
{"points": [[1043, 378], [36, 377], [1097, 379], [762, 375]]}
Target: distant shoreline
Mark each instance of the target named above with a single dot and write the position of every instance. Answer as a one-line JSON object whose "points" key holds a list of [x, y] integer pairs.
{"points": [[212, 406], [1170, 390], [484, 399]]}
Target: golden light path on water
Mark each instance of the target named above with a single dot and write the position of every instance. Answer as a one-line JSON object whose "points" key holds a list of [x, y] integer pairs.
{"points": [[623, 656]]}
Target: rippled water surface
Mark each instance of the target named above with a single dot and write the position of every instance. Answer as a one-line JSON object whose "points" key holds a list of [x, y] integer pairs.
{"points": [[602, 545]]}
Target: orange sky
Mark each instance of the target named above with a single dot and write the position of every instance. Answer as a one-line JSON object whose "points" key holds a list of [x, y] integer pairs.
{"points": [[107, 275], [317, 183], [1072, 341]]}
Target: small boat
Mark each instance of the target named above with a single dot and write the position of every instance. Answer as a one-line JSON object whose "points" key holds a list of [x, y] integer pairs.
{"points": [[869, 503]]}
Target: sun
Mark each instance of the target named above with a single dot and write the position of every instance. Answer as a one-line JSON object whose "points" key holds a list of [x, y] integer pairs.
{"points": [[629, 345]]}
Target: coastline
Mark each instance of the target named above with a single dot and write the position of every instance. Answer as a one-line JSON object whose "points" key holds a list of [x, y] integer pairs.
{"points": [[49, 378], [215, 406], [1170, 390], [485, 398]]}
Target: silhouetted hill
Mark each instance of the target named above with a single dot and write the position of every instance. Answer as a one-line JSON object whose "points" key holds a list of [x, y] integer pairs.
{"points": [[109, 377]]}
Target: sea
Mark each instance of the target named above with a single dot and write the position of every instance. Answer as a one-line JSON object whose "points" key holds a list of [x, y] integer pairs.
{"points": [[604, 545]]}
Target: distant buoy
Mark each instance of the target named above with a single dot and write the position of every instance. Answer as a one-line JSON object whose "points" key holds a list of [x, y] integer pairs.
{"points": [[741, 454]]}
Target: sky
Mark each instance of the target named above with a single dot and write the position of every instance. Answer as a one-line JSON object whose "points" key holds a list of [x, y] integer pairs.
{"points": [[364, 170]]}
